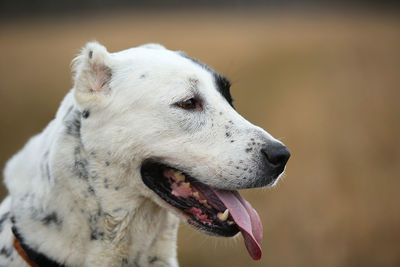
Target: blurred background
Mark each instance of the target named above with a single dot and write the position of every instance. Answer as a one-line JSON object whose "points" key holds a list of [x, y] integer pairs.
{"points": [[324, 78]]}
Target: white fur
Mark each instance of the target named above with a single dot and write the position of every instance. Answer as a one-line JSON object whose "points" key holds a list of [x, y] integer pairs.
{"points": [[90, 179]]}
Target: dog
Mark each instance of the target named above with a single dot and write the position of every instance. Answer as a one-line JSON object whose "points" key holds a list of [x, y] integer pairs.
{"points": [[146, 137]]}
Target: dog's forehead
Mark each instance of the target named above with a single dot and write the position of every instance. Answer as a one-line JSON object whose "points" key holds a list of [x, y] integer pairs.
{"points": [[172, 65]]}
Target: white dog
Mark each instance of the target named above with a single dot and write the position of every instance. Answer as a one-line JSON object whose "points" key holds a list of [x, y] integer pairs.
{"points": [[145, 136]]}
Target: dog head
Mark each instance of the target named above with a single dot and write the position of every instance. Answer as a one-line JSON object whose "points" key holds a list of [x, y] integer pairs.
{"points": [[170, 121]]}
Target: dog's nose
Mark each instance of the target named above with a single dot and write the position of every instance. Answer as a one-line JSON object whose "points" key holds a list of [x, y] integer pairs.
{"points": [[277, 155]]}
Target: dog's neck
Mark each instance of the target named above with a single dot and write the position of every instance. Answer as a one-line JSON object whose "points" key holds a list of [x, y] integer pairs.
{"points": [[85, 215]]}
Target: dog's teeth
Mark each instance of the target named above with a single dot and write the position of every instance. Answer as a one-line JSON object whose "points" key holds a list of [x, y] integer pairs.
{"points": [[187, 185], [223, 216], [229, 222], [179, 176], [196, 195]]}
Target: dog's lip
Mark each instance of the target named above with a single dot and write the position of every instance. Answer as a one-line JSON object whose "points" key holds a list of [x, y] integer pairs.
{"points": [[244, 216]]}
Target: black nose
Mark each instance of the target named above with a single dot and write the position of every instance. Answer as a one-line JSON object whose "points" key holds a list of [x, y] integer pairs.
{"points": [[276, 154]]}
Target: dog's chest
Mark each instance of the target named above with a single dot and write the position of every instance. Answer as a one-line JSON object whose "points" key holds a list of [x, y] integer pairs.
{"points": [[149, 239]]}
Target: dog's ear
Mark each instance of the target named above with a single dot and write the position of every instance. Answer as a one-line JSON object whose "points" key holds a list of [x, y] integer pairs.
{"points": [[92, 69]]}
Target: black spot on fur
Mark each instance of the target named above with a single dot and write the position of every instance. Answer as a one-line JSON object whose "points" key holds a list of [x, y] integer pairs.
{"points": [[228, 134], [152, 259], [80, 164], [91, 190], [34, 213], [106, 184], [93, 218], [93, 174], [6, 252], [232, 141], [107, 163], [51, 218], [3, 218], [48, 172], [249, 149], [90, 54], [73, 123], [117, 209], [86, 114], [95, 234]]}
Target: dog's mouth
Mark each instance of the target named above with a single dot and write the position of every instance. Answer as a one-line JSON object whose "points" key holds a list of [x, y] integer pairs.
{"points": [[214, 211]]}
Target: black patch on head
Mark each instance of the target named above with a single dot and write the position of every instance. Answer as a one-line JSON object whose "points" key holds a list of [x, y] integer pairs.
{"points": [[223, 86], [222, 83]]}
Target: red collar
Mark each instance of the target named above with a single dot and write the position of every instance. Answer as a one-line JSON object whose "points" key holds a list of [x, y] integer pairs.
{"points": [[31, 257], [22, 253]]}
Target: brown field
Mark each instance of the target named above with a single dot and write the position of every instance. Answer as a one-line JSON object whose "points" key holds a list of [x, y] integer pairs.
{"points": [[327, 84]]}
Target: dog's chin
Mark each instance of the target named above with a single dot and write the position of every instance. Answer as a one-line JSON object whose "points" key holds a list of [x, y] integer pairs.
{"points": [[191, 200]]}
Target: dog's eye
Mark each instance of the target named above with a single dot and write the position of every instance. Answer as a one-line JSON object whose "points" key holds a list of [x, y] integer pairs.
{"points": [[188, 104]]}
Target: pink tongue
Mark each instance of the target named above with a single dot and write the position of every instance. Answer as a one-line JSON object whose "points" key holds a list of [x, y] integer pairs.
{"points": [[246, 218]]}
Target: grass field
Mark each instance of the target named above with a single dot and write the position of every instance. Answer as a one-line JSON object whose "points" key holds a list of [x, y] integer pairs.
{"points": [[326, 83]]}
